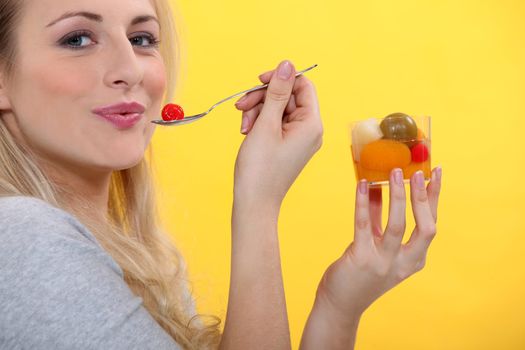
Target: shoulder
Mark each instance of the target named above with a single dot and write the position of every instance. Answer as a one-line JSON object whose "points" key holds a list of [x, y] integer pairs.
{"points": [[19, 204], [59, 289], [22, 210], [34, 235], [32, 218]]}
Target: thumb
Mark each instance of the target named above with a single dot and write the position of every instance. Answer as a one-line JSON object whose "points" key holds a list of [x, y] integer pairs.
{"points": [[278, 94]]}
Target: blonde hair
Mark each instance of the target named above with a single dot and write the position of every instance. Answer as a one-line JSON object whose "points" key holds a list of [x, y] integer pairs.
{"points": [[153, 268]]}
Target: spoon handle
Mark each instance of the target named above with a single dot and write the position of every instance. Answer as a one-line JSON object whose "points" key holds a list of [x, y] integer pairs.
{"points": [[256, 88]]}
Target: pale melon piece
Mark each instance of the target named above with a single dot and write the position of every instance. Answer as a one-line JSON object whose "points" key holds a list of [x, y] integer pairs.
{"points": [[364, 133]]}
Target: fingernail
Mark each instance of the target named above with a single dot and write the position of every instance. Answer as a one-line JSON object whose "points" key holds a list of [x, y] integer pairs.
{"points": [[284, 71], [439, 173], [398, 176], [244, 124], [241, 100], [420, 180], [363, 187]]}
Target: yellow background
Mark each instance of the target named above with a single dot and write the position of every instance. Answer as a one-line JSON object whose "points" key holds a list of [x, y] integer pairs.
{"points": [[462, 62]]}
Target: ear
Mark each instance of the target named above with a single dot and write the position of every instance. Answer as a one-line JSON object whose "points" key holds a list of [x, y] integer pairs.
{"points": [[5, 104]]}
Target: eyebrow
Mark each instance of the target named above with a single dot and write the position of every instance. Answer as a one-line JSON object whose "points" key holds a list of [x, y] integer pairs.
{"points": [[98, 18], [144, 18]]}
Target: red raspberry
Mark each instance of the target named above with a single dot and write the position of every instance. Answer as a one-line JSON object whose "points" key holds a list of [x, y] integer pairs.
{"points": [[419, 153], [172, 112]]}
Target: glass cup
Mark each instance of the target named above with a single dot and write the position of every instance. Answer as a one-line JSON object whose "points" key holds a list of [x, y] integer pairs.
{"points": [[379, 145]]}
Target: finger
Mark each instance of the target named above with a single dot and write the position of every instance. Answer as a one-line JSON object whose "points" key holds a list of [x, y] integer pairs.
{"points": [[362, 223], [305, 93], [396, 224], [302, 84], [266, 77], [278, 94], [306, 103], [425, 229], [291, 106], [249, 118], [376, 210], [250, 100], [433, 190]]}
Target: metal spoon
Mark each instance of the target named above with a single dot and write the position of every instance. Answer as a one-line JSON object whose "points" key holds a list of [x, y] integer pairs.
{"points": [[193, 118]]}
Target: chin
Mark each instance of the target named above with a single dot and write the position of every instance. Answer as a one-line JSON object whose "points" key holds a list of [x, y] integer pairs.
{"points": [[124, 154], [121, 161], [128, 163]]}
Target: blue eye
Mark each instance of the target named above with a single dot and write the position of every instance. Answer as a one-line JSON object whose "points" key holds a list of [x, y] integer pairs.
{"points": [[82, 39], [77, 40], [144, 40]]}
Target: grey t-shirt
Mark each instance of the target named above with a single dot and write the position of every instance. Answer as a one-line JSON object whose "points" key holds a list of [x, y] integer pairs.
{"points": [[60, 290]]}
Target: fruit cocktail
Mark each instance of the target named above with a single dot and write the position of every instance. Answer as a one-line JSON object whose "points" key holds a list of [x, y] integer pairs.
{"points": [[396, 141]]}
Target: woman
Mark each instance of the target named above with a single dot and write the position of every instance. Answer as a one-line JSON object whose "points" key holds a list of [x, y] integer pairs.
{"points": [[83, 261]]}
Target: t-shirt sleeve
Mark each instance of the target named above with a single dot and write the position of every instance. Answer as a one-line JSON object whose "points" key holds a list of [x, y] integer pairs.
{"points": [[60, 290]]}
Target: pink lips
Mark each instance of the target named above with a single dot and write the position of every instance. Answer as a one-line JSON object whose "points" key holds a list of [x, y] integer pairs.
{"points": [[122, 115]]}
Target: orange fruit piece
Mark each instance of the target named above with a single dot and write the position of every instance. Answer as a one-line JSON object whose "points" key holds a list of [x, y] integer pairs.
{"points": [[411, 168], [420, 135], [385, 155]]}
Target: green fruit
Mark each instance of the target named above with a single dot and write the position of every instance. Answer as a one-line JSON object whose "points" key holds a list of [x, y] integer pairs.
{"points": [[399, 127]]}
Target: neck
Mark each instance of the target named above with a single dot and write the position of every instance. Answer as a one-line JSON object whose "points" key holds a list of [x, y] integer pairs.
{"points": [[84, 192]]}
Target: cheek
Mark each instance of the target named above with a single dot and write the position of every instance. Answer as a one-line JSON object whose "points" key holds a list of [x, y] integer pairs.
{"points": [[52, 98], [45, 90], [56, 79], [155, 81]]}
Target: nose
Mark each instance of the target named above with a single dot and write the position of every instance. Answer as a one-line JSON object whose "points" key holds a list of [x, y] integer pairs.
{"points": [[123, 66]]}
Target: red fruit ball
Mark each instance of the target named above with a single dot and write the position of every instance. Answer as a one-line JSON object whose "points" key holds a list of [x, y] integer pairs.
{"points": [[419, 153], [172, 112]]}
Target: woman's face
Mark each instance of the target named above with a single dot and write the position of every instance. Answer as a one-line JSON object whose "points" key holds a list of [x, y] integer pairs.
{"points": [[75, 57]]}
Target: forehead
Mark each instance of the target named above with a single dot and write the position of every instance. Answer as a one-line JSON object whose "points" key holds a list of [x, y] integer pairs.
{"points": [[43, 12]]}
